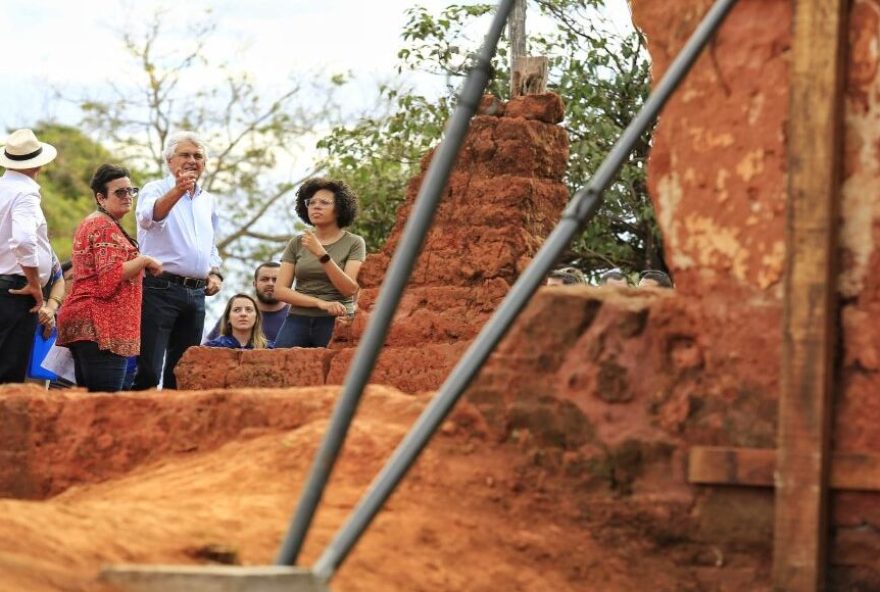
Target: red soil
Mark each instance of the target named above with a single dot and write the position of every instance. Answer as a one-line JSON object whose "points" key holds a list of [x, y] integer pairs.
{"points": [[473, 514]]}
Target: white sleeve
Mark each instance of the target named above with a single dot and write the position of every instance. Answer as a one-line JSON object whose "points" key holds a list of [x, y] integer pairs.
{"points": [[216, 261], [25, 220], [147, 199]]}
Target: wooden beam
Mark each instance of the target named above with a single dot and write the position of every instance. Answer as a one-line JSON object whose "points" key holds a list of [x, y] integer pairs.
{"points": [[755, 467], [810, 310], [516, 32]]}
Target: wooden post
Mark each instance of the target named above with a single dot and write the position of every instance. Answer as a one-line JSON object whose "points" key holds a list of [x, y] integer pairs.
{"points": [[516, 31], [810, 309], [528, 75]]}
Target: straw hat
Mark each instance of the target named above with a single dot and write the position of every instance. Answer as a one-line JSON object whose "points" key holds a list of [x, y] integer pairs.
{"points": [[24, 151]]}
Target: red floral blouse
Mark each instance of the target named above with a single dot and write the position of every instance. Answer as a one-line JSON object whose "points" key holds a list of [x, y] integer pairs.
{"points": [[101, 306]]}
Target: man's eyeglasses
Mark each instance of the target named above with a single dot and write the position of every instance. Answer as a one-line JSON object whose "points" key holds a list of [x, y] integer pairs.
{"points": [[324, 203], [197, 156], [121, 193]]}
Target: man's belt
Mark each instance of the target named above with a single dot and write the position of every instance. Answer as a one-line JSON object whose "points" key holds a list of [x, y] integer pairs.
{"points": [[15, 282], [186, 282], [12, 282]]}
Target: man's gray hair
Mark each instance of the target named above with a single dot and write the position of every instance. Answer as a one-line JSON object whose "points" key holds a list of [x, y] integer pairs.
{"points": [[177, 137]]}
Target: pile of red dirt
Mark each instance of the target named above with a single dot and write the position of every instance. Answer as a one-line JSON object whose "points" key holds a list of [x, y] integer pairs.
{"points": [[191, 477]]}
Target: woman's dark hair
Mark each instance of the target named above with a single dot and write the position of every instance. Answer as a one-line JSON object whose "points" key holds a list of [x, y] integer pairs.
{"points": [[258, 338], [346, 201], [105, 174]]}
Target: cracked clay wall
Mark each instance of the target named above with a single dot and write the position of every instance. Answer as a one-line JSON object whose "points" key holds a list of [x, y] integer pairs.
{"points": [[718, 178], [650, 375]]}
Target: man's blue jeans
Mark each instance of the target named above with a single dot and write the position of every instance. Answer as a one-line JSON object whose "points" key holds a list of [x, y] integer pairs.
{"points": [[302, 331], [97, 369], [172, 319]]}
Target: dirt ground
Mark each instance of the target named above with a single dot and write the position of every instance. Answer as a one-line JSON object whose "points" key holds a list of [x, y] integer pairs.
{"points": [[472, 515]]}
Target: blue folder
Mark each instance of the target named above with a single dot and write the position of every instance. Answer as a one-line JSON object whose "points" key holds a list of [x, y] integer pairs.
{"points": [[38, 354]]}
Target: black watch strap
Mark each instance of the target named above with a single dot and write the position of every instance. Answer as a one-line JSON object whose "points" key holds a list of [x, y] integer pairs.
{"points": [[324, 258]]}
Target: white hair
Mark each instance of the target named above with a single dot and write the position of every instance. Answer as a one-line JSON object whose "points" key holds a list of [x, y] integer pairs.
{"points": [[177, 137]]}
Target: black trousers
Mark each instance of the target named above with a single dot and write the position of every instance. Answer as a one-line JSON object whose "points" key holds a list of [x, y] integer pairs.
{"points": [[96, 369], [17, 328], [172, 319]]}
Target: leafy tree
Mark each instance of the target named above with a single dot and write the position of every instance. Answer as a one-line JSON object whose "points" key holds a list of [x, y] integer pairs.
{"points": [[601, 74], [249, 132]]}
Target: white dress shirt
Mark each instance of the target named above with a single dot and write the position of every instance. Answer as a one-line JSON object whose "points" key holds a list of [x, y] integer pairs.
{"points": [[184, 241], [24, 236]]}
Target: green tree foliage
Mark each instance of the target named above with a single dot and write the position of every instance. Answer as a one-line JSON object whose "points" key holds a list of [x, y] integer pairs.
{"points": [[603, 76]]}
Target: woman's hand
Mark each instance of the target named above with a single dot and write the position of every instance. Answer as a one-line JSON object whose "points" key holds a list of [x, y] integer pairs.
{"points": [[152, 266], [311, 242], [337, 309], [46, 316]]}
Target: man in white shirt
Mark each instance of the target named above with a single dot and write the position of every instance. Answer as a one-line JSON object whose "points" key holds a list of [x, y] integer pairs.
{"points": [[177, 224], [25, 252]]}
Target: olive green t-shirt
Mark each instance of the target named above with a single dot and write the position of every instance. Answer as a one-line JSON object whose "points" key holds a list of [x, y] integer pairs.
{"points": [[312, 280]]}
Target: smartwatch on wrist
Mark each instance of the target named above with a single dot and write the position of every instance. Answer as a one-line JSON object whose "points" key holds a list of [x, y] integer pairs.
{"points": [[324, 258]]}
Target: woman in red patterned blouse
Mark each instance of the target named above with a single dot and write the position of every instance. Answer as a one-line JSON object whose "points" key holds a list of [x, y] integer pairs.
{"points": [[100, 320]]}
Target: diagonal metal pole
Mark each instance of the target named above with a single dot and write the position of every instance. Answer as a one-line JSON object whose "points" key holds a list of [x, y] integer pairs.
{"points": [[582, 207], [392, 288]]}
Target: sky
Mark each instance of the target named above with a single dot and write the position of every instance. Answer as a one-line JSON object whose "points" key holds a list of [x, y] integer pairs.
{"points": [[74, 46]]}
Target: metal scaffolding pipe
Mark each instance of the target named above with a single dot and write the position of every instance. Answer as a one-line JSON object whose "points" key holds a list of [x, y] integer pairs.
{"points": [[392, 288], [582, 207]]}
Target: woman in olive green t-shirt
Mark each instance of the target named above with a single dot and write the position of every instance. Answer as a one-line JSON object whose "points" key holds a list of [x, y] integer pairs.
{"points": [[325, 263]]}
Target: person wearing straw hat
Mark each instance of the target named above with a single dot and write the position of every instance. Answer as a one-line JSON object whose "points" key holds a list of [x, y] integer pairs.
{"points": [[25, 252]]}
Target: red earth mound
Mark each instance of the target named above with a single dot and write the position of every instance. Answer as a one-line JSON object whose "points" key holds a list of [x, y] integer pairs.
{"points": [[473, 514]]}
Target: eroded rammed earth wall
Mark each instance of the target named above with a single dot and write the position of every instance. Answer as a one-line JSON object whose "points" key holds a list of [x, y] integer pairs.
{"points": [[718, 175], [654, 375]]}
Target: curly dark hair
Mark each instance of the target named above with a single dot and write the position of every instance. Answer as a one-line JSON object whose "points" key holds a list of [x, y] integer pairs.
{"points": [[105, 174], [346, 201]]}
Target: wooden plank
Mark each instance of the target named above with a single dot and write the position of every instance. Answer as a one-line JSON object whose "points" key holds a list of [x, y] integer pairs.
{"points": [[755, 467], [717, 465], [810, 310], [211, 578]]}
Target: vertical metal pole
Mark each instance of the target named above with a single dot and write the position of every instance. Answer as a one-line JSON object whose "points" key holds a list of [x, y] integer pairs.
{"points": [[583, 205], [392, 289]]}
